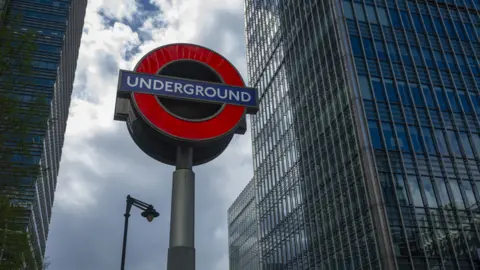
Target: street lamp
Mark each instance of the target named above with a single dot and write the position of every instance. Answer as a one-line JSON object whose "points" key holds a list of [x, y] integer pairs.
{"points": [[148, 212]]}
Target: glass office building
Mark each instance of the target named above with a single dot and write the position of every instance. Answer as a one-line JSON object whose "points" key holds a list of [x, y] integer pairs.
{"points": [[57, 25], [242, 230], [367, 142]]}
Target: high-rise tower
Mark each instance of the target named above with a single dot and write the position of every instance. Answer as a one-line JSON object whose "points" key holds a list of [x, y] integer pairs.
{"points": [[242, 231], [367, 142], [57, 26]]}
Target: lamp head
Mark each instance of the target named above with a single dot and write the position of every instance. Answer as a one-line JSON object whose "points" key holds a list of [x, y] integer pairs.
{"points": [[150, 214]]}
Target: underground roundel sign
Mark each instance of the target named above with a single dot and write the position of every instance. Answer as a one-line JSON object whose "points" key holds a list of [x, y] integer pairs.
{"points": [[187, 92]]}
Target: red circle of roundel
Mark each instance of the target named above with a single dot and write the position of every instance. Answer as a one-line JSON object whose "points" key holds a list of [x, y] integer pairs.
{"points": [[158, 117]]}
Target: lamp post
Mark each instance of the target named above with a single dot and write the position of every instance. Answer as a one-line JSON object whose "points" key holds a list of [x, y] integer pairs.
{"points": [[148, 212]]}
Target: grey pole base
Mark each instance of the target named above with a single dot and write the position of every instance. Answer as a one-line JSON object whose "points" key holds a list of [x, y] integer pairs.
{"points": [[181, 258], [181, 251]]}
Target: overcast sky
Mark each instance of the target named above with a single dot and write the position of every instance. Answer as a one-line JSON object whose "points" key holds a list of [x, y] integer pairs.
{"points": [[100, 163]]}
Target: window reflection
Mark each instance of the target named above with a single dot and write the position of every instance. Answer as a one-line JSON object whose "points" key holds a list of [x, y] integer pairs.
{"points": [[416, 140], [457, 195], [402, 138], [359, 12], [427, 92], [388, 193], [442, 192], [403, 90], [470, 195], [442, 100], [442, 145], [429, 192], [428, 138], [415, 190], [401, 189], [466, 144], [365, 87], [391, 91], [347, 10], [389, 136], [454, 143], [372, 16]]}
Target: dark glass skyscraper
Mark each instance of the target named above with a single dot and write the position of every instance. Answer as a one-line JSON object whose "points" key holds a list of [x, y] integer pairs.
{"points": [[57, 25], [367, 142]]}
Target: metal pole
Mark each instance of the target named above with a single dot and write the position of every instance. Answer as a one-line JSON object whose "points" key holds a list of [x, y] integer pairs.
{"points": [[181, 252], [125, 229]]}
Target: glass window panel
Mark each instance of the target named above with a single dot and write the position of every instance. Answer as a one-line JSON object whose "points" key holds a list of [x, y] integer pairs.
{"points": [[369, 50], [406, 20], [375, 134], [416, 141], [457, 195], [454, 143], [359, 12], [427, 21], [470, 195], [451, 62], [402, 138], [442, 100], [428, 138], [389, 136], [476, 142], [467, 108], [416, 56], [417, 22], [356, 46], [415, 190], [466, 144], [470, 32], [382, 15], [378, 89], [453, 100], [371, 15], [442, 192], [461, 31], [393, 52], [396, 22], [442, 145], [476, 102], [439, 26], [347, 10], [439, 59], [417, 95], [391, 91], [387, 188], [382, 54], [429, 193], [365, 87], [402, 89], [450, 29], [462, 62], [405, 55], [428, 58], [427, 92], [401, 190], [473, 66]]}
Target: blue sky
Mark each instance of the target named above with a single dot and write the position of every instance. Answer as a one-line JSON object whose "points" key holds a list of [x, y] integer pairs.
{"points": [[100, 163]]}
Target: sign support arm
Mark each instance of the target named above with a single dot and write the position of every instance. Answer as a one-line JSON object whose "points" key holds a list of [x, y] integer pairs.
{"points": [[181, 251]]}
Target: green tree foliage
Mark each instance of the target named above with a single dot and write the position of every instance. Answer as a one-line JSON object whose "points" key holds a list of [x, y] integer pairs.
{"points": [[23, 118]]}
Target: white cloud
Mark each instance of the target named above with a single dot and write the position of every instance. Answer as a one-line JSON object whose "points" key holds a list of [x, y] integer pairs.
{"points": [[100, 162]]}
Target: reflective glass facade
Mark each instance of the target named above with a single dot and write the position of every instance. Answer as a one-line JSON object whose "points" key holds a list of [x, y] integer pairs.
{"points": [[243, 231], [57, 25], [366, 146], [417, 68]]}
